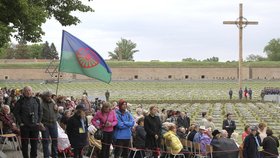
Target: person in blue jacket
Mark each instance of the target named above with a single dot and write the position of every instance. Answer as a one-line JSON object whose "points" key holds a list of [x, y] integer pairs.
{"points": [[123, 133]]}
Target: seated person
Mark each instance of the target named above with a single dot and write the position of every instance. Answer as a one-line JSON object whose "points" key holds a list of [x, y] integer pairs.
{"points": [[181, 133], [9, 125], [172, 141]]}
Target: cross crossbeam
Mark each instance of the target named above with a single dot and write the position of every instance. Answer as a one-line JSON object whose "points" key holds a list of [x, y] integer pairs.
{"points": [[241, 23]]}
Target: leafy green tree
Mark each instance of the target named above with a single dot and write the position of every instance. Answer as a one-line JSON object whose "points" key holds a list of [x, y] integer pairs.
{"points": [[272, 50], [54, 53], [124, 51], [46, 54], [36, 51], [21, 52], [190, 59], [23, 19], [212, 59], [253, 57]]}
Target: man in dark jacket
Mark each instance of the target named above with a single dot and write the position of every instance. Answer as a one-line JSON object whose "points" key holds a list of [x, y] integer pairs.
{"points": [[193, 132], [229, 125], [230, 93], [183, 121], [252, 144], [270, 145], [28, 114], [240, 93], [50, 111], [77, 128]]}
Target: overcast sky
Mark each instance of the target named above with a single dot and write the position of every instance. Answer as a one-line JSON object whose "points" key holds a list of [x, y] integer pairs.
{"points": [[170, 30]]}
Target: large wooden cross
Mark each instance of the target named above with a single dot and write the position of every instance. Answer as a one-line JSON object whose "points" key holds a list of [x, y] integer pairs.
{"points": [[241, 23]]}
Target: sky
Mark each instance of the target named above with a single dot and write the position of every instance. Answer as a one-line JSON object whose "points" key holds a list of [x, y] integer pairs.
{"points": [[170, 30]]}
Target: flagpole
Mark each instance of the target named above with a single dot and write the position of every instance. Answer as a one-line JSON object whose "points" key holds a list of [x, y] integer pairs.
{"points": [[57, 83], [58, 77]]}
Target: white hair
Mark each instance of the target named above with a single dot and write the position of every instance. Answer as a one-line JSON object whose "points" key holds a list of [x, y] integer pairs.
{"points": [[7, 107]]}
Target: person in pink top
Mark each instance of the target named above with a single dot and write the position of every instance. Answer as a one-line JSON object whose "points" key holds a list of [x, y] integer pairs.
{"points": [[247, 131], [105, 119]]}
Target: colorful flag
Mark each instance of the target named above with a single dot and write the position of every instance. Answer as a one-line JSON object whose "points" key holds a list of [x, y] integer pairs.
{"points": [[79, 58]]}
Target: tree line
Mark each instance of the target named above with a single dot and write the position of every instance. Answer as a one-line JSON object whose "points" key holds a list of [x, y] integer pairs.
{"points": [[24, 51]]}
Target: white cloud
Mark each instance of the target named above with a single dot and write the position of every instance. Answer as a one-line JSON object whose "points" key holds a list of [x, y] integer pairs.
{"points": [[170, 30]]}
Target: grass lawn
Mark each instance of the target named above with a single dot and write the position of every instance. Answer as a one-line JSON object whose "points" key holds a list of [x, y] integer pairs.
{"points": [[153, 91]]}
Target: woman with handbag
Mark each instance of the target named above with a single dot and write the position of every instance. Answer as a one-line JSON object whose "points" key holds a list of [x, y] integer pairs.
{"points": [[104, 121]]}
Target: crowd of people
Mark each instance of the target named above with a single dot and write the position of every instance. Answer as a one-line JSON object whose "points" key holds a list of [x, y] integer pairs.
{"points": [[150, 131], [271, 91]]}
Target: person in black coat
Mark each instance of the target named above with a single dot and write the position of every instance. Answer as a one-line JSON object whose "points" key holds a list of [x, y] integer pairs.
{"points": [[270, 145], [251, 144], [193, 132], [183, 121], [152, 126], [77, 128], [229, 125], [139, 138]]}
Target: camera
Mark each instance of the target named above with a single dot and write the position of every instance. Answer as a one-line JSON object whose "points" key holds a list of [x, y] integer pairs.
{"points": [[32, 117]]}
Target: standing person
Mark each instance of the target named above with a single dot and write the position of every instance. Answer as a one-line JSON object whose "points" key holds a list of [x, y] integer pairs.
{"points": [[140, 135], [270, 145], [105, 119], [240, 92], [230, 93], [252, 144], [50, 111], [204, 119], [183, 121], [229, 125], [1, 98], [122, 132], [250, 92], [262, 130], [152, 126], [107, 95], [85, 93], [210, 123], [86, 103], [246, 93], [76, 130], [262, 94], [28, 114]]}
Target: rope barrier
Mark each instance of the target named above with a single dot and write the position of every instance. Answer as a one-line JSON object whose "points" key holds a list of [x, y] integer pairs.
{"points": [[150, 150]]}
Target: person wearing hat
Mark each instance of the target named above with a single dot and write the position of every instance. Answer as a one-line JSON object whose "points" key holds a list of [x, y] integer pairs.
{"points": [[203, 138], [76, 130], [252, 144], [216, 134], [223, 147], [49, 118], [122, 133], [199, 134]]}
